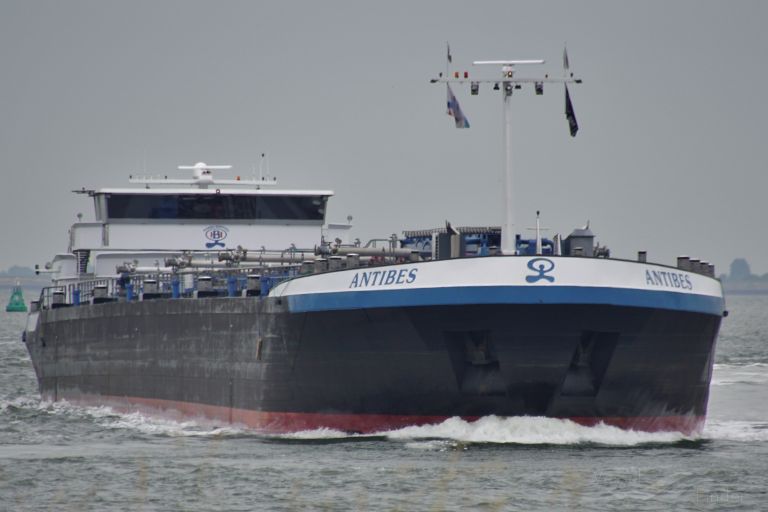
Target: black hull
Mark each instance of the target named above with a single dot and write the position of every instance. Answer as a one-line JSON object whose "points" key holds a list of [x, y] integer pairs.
{"points": [[250, 360]]}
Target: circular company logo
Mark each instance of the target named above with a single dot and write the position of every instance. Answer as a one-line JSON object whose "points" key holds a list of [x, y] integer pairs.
{"points": [[541, 266], [215, 234]]}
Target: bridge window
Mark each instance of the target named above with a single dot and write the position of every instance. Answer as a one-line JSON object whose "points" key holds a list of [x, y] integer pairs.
{"points": [[215, 207]]}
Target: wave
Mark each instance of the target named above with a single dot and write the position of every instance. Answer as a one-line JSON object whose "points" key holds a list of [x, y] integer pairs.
{"points": [[522, 430], [319, 434], [734, 430], [757, 358], [455, 432], [107, 417], [154, 425], [727, 366], [538, 431], [450, 434], [532, 431], [19, 403], [751, 374]]}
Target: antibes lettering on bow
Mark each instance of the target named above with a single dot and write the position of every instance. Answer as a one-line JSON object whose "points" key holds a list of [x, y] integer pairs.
{"points": [[375, 278], [667, 279]]}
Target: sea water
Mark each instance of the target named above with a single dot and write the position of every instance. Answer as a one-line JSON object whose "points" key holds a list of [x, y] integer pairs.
{"points": [[57, 456]]}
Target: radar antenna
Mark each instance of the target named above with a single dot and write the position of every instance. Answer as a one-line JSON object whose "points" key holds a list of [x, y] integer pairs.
{"points": [[202, 177]]}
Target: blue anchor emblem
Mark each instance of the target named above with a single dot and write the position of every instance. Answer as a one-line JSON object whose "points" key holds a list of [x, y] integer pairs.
{"points": [[541, 266]]}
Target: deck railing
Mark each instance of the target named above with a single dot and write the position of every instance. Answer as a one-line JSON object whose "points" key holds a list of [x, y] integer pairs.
{"points": [[129, 287]]}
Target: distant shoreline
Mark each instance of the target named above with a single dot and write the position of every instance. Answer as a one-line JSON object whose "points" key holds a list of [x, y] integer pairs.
{"points": [[25, 281], [758, 286], [30, 287]]}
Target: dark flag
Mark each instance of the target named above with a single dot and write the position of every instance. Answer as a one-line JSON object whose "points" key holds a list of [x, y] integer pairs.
{"points": [[450, 58], [572, 124]]}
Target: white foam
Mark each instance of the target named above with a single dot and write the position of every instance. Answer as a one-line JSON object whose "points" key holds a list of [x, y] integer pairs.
{"points": [[167, 425], [320, 433], [108, 417], [34, 403], [453, 432], [22, 402], [441, 445], [155, 425], [449, 434], [532, 430]]}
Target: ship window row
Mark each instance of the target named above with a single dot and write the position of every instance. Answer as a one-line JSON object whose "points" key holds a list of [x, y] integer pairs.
{"points": [[215, 206]]}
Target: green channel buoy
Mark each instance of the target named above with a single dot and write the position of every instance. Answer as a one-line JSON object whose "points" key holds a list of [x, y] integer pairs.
{"points": [[16, 304]]}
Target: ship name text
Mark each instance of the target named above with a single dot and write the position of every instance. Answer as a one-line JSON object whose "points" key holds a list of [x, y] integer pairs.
{"points": [[383, 277], [668, 279]]}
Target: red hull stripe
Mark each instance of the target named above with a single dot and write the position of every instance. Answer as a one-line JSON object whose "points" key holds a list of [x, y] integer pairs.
{"points": [[281, 422]]}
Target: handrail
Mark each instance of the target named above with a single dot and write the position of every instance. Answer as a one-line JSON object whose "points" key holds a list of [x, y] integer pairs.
{"points": [[82, 291]]}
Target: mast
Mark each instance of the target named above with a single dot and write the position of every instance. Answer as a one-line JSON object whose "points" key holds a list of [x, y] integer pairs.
{"points": [[508, 227], [509, 82]]}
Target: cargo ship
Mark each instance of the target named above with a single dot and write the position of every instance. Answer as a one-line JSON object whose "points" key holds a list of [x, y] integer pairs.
{"points": [[233, 300]]}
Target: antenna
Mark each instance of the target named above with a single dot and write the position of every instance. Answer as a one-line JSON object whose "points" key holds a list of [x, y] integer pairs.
{"points": [[510, 82], [204, 167], [261, 166], [506, 62], [538, 234], [538, 229]]}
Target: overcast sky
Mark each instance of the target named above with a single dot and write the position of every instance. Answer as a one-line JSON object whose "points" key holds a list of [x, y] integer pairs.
{"points": [[670, 158]]}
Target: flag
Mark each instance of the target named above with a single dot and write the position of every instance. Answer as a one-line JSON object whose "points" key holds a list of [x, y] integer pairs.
{"points": [[569, 114], [454, 110], [450, 59]]}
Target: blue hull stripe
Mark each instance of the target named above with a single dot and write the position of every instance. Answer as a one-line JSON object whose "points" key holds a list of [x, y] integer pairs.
{"points": [[505, 295]]}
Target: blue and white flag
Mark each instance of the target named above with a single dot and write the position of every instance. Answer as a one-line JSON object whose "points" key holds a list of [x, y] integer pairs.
{"points": [[454, 110]]}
